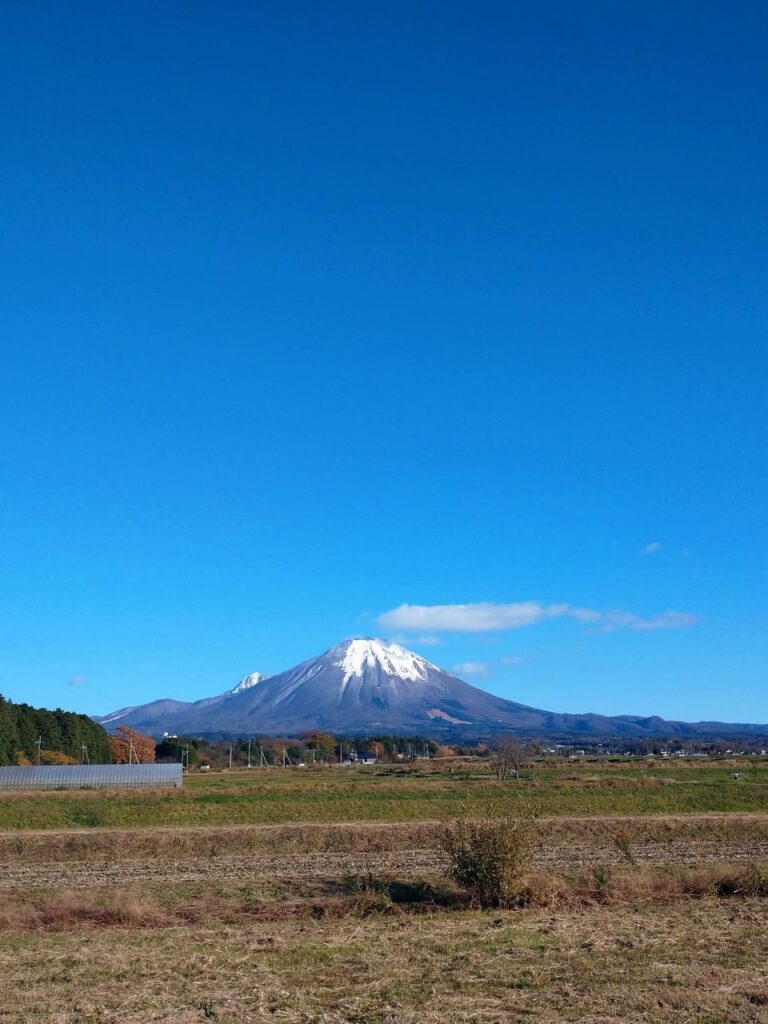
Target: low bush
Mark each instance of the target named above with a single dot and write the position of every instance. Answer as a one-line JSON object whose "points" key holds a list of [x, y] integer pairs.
{"points": [[490, 858]]}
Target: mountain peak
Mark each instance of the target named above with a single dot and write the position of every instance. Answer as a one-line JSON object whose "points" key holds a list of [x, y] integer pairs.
{"points": [[370, 686], [248, 682], [356, 655]]}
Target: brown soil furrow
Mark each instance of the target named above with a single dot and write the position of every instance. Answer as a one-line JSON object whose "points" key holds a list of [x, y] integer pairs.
{"points": [[576, 836], [403, 863]]}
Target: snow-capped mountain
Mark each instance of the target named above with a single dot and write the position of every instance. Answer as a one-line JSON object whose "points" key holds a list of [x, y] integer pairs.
{"points": [[245, 684], [366, 686], [169, 710], [361, 684]]}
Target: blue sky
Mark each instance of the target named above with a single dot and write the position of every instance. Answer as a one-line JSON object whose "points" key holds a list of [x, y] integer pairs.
{"points": [[312, 314]]}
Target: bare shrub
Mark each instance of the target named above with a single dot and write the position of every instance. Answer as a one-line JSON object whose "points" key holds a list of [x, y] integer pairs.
{"points": [[490, 858], [508, 757]]}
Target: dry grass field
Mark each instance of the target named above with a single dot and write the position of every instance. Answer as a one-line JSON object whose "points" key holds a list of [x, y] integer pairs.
{"points": [[424, 791], [701, 963], [632, 908]]}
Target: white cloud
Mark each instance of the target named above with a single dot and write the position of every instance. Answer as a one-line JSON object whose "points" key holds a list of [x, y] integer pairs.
{"points": [[651, 549], [664, 620], [418, 641], [515, 660], [467, 618], [487, 617], [473, 668], [76, 681]]}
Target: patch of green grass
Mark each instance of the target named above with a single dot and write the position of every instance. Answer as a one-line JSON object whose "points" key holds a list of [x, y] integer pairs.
{"points": [[328, 795]]}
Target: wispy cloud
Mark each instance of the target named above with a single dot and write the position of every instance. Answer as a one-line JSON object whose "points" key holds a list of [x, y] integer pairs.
{"points": [[484, 617], [489, 617], [418, 641], [479, 669], [651, 549], [664, 620], [514, 660], [76, 681]]}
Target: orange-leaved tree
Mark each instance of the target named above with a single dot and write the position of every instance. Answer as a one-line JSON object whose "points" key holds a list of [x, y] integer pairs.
{"points": [[126, 746]]}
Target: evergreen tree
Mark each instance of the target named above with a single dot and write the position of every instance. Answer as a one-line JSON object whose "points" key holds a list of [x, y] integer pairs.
{"points": [[9, 733], [63, 732]]}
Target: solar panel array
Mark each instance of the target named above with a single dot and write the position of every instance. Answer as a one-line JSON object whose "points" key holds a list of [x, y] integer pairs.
{"points": [[96, 776]]}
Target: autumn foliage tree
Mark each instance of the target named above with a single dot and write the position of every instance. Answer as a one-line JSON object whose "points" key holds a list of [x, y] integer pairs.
{"points": [[444, 751], [128, 746], [322, 743], [55, 757]]}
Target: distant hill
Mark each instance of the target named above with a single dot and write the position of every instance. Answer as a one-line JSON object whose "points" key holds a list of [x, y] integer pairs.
{"points": [[62, 735], [367, 686]]}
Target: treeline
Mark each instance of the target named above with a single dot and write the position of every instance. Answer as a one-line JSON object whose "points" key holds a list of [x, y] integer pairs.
{"points": [[56, 737], [315, 748]]}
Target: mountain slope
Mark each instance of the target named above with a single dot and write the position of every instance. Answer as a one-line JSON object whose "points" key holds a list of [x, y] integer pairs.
{"points": [[374, 686]]}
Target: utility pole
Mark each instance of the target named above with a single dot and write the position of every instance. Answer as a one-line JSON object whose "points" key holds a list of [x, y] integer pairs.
{"points": [[249, 754], [185, 758], [39, 742], [230, 757], [84, 759]]}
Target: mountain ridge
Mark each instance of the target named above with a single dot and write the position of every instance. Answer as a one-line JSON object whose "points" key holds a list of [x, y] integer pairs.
{"points": [[368, 685]]}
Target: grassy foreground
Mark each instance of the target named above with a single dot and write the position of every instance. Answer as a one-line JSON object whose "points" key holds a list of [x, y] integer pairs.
{"points": [[403, 794], [321, 897], [700, 964]]}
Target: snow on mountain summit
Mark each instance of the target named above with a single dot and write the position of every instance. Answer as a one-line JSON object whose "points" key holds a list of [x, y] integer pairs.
{"points": [[368, 686], [392, 659], [249, 681]]}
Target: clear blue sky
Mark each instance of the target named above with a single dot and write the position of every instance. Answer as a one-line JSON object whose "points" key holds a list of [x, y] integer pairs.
{"points": [[313, 311]]}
